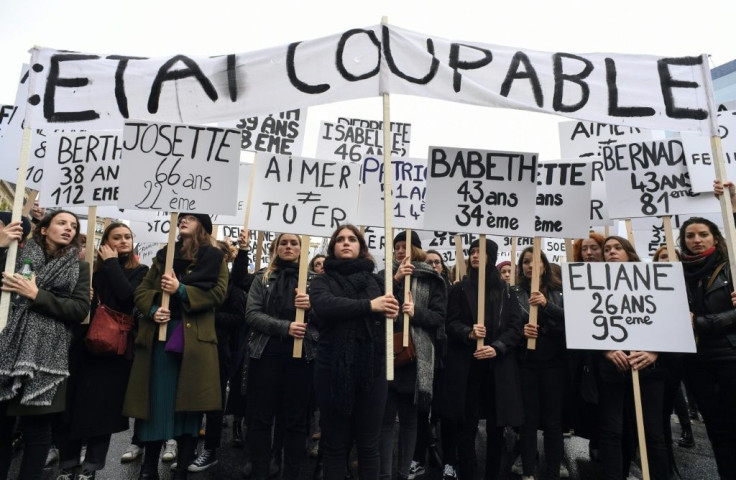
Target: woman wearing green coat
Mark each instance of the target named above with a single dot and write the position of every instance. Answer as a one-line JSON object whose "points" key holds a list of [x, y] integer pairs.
{"points": [[173, 382]]}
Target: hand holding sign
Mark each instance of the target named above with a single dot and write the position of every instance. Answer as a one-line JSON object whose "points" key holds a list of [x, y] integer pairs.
{"points": [[169, 283], [386, 304]]}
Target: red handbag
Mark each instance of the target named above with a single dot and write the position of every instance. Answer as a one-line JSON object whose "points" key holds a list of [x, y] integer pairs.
{"points": [[108, 331]]}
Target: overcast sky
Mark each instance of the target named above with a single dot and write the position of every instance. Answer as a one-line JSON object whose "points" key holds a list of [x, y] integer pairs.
{"points": [[158, 28]]}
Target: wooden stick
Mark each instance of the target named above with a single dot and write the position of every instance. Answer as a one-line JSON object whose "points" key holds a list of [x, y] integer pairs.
{"points": [[569, 254], [89, 251], [29, 203], [640, 425], [606, 231], [20, 188], [259, 252], [459, 259], [407, 288], [531, 343], [482, 288], [669, 240], [387, 226], [301, 288], [513, 261], [629, 231], [167, 268]]}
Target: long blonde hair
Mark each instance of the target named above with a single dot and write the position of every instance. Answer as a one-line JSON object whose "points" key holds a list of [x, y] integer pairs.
{"points": [[272, 267]]}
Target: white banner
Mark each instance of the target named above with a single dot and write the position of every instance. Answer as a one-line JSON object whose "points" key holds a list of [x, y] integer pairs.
{"points": [[275, 133], [563, 199], [244, 172], [481, 191], [153, 230], [699, 156], [81, 169], [650, 179], [408, 187], [353, 139], [627, 306], [180, 168], [102, 91], [303, 196]]}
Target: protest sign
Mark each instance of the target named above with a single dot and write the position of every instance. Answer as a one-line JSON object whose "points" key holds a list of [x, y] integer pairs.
{"points": [[408, 188], [147, 252], [302, 195], [81, 169], [649, 233], [100, 90], [647, 179], [231, 232], [244, 171], [353, 139], [627, 306], [481, 191], [282, 132], [585, 140], [153, 230], [179, 168], [563, 199], [699, 155]]}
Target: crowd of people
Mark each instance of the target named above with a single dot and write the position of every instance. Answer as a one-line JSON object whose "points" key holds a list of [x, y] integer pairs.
{"points": [[191, 333]]}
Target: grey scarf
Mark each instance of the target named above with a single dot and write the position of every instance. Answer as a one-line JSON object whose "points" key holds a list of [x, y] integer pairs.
{"points": [[34, 349]]}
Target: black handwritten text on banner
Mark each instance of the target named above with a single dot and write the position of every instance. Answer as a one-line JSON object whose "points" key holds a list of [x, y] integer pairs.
{"points": [[276, 133], [639, 90], [408, 186], [563, 196], [699, 156], [354, 139]]}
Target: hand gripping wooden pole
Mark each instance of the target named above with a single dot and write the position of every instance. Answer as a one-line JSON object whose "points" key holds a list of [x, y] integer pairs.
{"points": [[301, 288], [168, 266], [531, 343]]}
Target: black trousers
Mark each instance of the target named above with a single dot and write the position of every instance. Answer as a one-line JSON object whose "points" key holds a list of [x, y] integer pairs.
{"points": [[714, 387], [36, 431], [618, 427], [278, 385], [340, 430]]}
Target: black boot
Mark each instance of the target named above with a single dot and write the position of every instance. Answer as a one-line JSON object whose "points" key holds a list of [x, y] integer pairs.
{"points": [[185, 456], [686, 439], [149, 469], [238, 432]]}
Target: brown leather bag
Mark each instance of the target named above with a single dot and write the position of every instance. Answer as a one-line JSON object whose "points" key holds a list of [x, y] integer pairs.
{"points": [[403, 355], [108, 331]]}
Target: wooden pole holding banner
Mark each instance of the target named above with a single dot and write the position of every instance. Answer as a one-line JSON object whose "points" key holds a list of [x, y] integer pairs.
{"points": [[531, 343], [459, 259], [513, 261], [169, 264], [20, 188], [89, 250], [482, 287], [387, 226], [569, 254], [407, 288], [29, 203], [669, 240], [259, 252], [637, 395], [301, 288]]}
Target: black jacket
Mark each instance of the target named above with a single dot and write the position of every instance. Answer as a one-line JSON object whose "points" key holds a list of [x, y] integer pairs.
{"points": [[716, 331], [551, 349]]}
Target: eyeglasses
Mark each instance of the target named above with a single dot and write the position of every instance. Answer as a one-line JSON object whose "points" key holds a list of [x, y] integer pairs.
{"points": [[434, 263]]}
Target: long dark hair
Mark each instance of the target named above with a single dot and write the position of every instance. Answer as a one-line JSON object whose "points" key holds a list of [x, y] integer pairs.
{"points": [[190, 247], [445, 270], [45, 222], [132, 261], [720, 242], [628, 248], [362, 252], [547, 281]]}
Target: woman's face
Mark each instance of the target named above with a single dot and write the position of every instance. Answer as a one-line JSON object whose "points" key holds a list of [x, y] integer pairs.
{"points": [[475, 257], [527, 264], [400, 251], [591, 251], [318, 266], [613, 251], [188, 225], [698, 238], [61, 231], [288, 248], [347, 245], [506, 273], [435, 262], [120, 239], [663, 256]]}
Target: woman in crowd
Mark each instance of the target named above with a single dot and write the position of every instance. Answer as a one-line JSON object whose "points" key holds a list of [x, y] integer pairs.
{"points": [[712, 372], [278, 384], [504, 269], [544, 369], [34, 345], [173, 382], [99, 381], [434, 259], [482, 382], [350, 308], [317, 264], [617, 426], [412, 388]]}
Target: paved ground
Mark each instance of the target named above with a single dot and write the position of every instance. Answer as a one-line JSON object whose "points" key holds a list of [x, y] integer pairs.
{"points": [[696, 463]]}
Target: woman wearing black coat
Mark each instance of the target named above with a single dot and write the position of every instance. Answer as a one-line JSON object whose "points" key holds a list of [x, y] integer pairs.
{"points": [[350, 307], [482, 382]]}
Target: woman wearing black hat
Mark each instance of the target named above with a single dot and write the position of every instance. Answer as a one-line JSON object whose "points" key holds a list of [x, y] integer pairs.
{"points": [[482, 382], [173, 382], [412, 387]]}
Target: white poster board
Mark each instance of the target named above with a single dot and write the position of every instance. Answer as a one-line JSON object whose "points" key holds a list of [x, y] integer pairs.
{"points": [[563, 199], [281, 132], [154, 229], [354, 139], [179, 168], [649, 232], [627, 306], [147, 252], [699, 156], [650, 179], [408, 187], [481, 191], [244, 171], [302, 195], [231, 232], [81, 169]]}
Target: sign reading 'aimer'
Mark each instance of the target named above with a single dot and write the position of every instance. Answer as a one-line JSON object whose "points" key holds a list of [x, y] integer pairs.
{"points": [[481, 191], [627, 306]]}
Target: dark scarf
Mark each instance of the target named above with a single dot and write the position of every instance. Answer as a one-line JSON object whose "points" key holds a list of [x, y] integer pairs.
{"points": [[281, 302], [698, 270], [470, 286], [206, 265], [34, 349], [357, 360]]}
